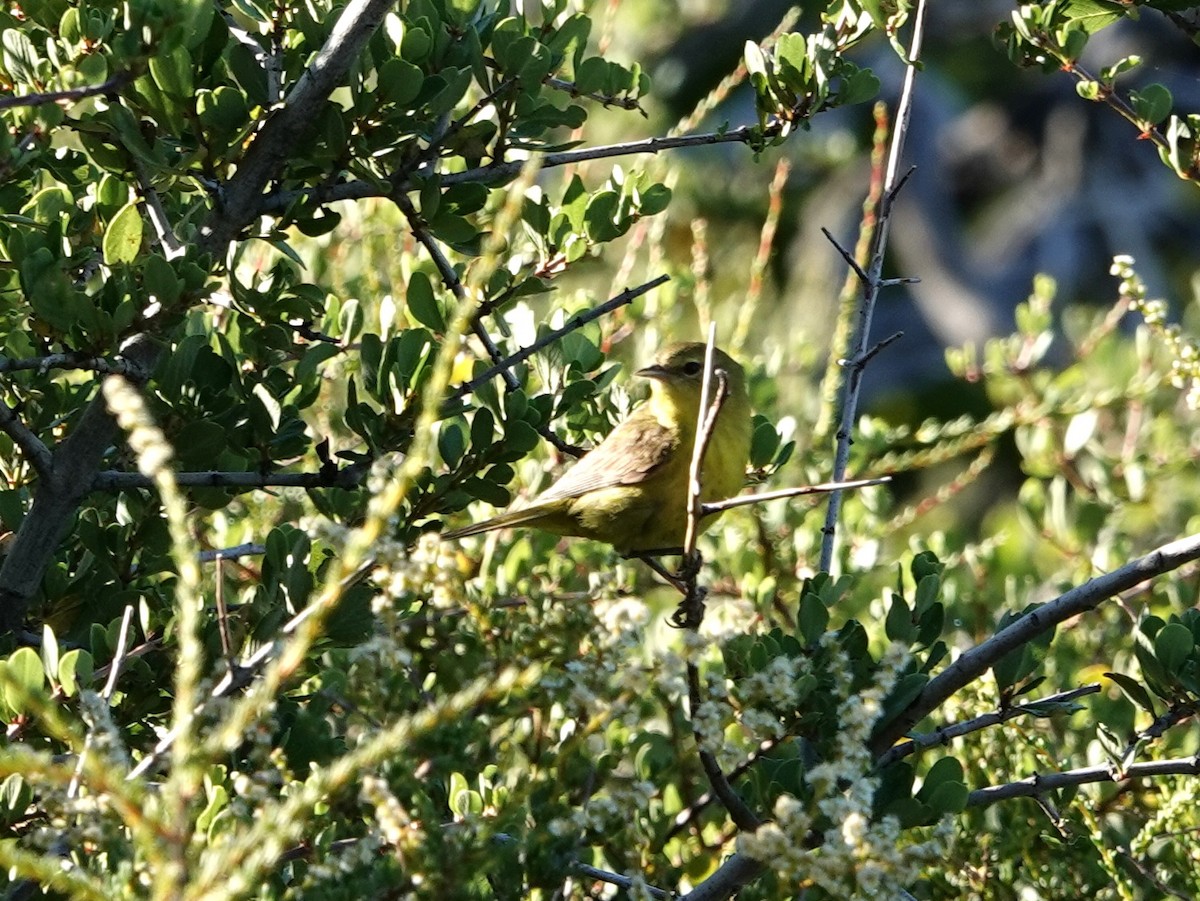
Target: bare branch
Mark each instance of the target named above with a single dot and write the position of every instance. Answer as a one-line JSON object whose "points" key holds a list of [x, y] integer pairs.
{"points": [[710, 406], [616, 879], [114, 673], [500, 172], [741, 814], [945, 734], [400, 178], [743, 500], [560, 84], [691, 610], [86, 362], [1157, 729], [72, 95], [449, 277], [348, 477], [171, 246], [241, 196], [573, 324], [232, 553], [872, 283], [1039, 785], [1080, 599], [735, 873]]}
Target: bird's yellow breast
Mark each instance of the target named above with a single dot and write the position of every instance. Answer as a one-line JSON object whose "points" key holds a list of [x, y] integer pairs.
{"points": [[652, 515]]}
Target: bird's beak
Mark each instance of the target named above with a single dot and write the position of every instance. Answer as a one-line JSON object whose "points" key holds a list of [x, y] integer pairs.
{"points": [[652, 372]]}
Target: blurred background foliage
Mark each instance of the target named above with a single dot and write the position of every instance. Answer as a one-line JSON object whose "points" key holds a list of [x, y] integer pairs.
{"points": [[1038, 430]]}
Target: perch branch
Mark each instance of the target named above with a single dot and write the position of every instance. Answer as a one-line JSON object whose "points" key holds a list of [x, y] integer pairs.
{"points": [[1080, 599]]}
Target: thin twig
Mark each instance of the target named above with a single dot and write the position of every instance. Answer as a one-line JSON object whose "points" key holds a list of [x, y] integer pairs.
{"points": [[573, 324], [502, 172], [171, 246], [1164, 721], [687, 816], [690, 614], [401, 176], [347, 477], [223, 612], [264, 59], [114, 673], [559, 84], [741, 814], [706, 420], [870, 289], [115, 83], [1080, 599], [944, 734], [249, 549], [742, 500]]}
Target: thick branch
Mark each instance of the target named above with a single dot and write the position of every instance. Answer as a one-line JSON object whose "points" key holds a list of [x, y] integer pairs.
{"points": [[735, 873], [283, 129], [77, 459], [1080, 599], [1035, 786], [42, 365], [22, 436]]}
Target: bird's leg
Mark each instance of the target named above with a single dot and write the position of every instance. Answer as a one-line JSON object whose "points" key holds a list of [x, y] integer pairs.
{"points": [[649, 558], [690, 612]]}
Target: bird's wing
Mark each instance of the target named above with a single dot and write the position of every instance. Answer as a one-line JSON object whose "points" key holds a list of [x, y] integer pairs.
{"points": [[631, 452]]}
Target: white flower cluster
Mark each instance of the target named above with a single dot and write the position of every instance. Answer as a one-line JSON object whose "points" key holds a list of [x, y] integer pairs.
{"points": [[1185, 354], [768, 695], [854, 857]]}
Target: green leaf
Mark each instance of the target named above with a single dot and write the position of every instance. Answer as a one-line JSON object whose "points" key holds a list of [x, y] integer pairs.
{"points": [[123, 237], [25, 676], [899, 625], [172, 72], [949, 797], [74, 669], [814, 617], [1152, 103], [1173, 645], [400, 81], [451, 444], [600, 217], [1133, 690], [1092, 15], [423, 305]]}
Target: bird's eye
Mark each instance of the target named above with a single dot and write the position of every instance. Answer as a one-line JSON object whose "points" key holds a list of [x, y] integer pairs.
{"points": [[692, 368]]}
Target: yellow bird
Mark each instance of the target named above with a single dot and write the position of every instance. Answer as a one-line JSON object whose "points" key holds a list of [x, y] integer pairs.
{"points": [[632, 490]]}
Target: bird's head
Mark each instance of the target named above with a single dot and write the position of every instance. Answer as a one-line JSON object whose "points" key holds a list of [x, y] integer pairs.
{"points": [[680, 367], [678, 373]]}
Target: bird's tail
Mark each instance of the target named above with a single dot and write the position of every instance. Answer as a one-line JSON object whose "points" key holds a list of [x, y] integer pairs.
{"points": [[520, 517]]}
